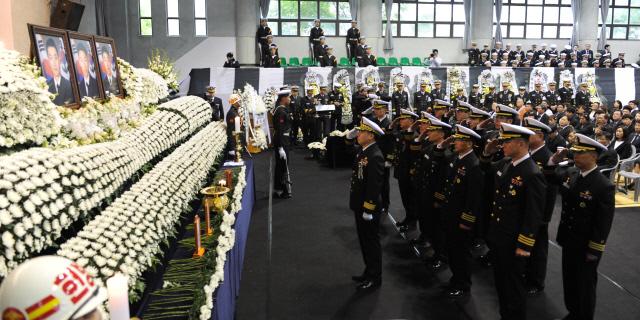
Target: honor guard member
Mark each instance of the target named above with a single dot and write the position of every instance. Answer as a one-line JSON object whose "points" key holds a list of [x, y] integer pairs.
{"points": [[329, 59], [266, 49], [386, 142], [216, 104], [407, 149], [462, 197], [522, 94], [308, 104], [474, 96], [489, 97], [515, 217], [474, 54], [353, 36], [282, 120], [506, 96], [319, 51], [297, 112], [261, 36], [463, 110], [566, 93], [232, 114], [437, 92], [399, 97], [588, 205], [553, 98], [536, 95], [52, 288], [272, 60], [314, 36], [422, 98], [337, 99], [458, 97], [536, 268], [364, 200], [583, 97], [441, 110]]}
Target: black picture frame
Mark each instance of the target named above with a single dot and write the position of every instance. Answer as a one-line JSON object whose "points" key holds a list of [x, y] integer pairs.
{"points": [[85, 63], [46, 44], [106, 54]]}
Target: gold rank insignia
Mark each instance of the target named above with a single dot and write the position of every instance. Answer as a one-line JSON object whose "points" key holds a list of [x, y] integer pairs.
{"points": [[512, 192], [517, 181], [458, 180], [583, 205], [586, 195]]}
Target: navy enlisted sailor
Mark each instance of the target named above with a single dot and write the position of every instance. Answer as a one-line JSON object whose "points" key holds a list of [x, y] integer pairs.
{"points": [[282, 121], [365, 201]]}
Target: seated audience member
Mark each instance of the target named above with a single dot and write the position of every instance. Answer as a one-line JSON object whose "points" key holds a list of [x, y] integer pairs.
{"points": [[555, 140], [564, 127], [231, 62], [585, 126], [609, 158], [634, 138], [620, 143], [571, 138]]}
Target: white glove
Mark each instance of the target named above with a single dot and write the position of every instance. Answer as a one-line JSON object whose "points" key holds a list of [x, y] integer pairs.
{"points": [[367, 216], [282, 154], [232, 153], [387, 164], [352, 134]]}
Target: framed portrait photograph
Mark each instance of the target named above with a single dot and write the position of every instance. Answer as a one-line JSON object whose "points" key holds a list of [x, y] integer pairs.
{"points": [[109, 73], [51, 50], [85, 63]]}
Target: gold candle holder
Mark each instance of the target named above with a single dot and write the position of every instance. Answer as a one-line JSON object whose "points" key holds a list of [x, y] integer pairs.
{"points": [[238, 146], [214, 197], [196, 228]]}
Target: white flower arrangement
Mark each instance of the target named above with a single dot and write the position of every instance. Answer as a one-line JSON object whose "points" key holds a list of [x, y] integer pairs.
{"points": [[318, 145], [225, 242], [43, 191], [28, 113], [338, 133], [127, 235], [143, 85], [260, 139]]}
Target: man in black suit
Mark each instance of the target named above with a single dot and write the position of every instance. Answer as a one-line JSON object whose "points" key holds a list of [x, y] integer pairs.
{"points": [[87, 83], [364, 200], [58, 85], [462, 193], [320, 50], [516, 214], [588, 205], [217, 110], [634, 138], [231, 62], [536, 269], [353, 37], [109, 79], [608, 158]]}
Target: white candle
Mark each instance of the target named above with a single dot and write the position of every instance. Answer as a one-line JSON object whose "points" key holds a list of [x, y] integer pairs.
{"points": [[118, 297], [237, 123]]}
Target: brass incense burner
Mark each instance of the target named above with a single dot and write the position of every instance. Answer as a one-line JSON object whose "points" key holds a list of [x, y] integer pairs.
{"points": [[214, 197]]}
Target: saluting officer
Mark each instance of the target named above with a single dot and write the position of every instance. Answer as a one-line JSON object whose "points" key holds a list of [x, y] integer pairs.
{"points": [[407, 149], [536, 269], [515, 215], [215, 103], [421, 98], [566, 93], [506, 96], [364, 200], [353, 36], [441, 110], [463, 110], [462, 194], [282, 120], [588, 204], [399, 98]]}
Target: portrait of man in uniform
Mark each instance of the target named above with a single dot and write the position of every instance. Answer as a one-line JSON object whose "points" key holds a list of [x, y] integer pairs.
{"points": [[85, 62], [108, 67]]}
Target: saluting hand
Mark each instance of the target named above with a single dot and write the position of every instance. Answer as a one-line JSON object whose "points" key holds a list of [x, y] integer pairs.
{"points": [[559, 156], [445, 143], [491, 147], [485, 124]]}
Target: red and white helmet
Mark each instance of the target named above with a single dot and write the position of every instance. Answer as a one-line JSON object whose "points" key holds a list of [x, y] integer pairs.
{"points": [[49, 287]]}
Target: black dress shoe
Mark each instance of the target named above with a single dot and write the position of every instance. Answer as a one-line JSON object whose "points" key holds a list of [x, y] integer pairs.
{"points": [[358, 279], [369, 285], [456, 293], [534, 290]]}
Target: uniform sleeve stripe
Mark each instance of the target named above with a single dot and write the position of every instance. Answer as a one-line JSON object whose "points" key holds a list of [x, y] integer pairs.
{"points": [[526, 240], [439, 196], [596, 246], [369, 205], [468, 217]]}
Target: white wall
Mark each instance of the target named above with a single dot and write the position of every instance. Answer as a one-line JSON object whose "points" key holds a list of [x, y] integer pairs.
{"points": [[207, 54]]}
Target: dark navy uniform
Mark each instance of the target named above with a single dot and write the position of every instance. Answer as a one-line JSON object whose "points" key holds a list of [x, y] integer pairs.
{"points": [[536, 97], [230, 119], [366, 186], [505, 97], [421, 101], [474, 99], [314, 37], [566, 95], [438, 94], [474, 56], [489, 98], [582, 99], [297, 114], [553, 97], [386, 144], [408, 150], [282, 121], [271, 61], [308, 105], [399, 100], [353, 36], [216, 108]]}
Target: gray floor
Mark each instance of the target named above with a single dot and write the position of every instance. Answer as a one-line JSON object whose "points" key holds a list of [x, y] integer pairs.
{"points": [[315, 251]]}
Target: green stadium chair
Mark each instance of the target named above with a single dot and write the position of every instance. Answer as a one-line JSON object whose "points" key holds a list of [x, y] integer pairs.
{"points": [[404, 61], [294, 62], [381, 61], [393, 62], [307, 62], [344, 62], [354, 62], [283, 62], [416, 62], [427, 62]]}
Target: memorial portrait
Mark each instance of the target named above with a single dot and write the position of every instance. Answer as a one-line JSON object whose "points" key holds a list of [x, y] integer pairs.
{"points": [[85, 62], [51, 51], [109, 73]]}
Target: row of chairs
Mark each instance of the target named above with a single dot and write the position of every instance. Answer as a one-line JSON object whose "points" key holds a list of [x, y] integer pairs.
{"points": [[344, 62], [624, 169]]}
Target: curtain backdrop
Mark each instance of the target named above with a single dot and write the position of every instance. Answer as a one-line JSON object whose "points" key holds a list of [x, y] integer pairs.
{"points": [[576, 8], [388, 39], [264, 8], [498, 36], [466, 40], [101, 21], [604, 11], [354, 5]]}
